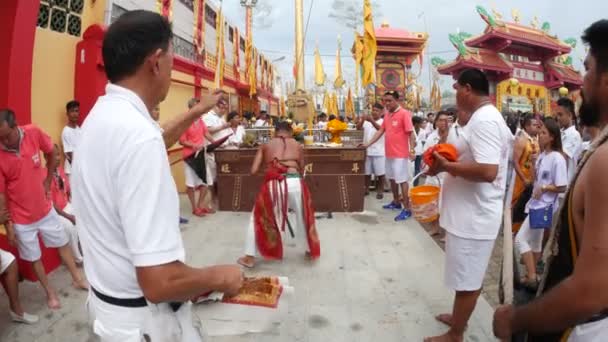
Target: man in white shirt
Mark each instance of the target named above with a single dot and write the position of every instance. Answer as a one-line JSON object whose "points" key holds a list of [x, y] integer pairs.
{"points": [[375, 162], [571, 138], [322, 124], [263, 120], [218, 128], [420, 131], [70, 135], [126, 200], [472, 196]]}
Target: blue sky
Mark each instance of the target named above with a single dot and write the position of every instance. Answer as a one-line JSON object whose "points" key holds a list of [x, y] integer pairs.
{"points": [[567, 18]]}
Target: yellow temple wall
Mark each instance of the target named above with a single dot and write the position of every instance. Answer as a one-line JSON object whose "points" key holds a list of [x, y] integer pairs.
{"points": [[505, 88]]}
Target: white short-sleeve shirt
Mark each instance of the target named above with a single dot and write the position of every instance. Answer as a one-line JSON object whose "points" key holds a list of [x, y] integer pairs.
{"points": [[69, 139], [551, 169], [572, 145], [124, 195], [377, 149], [237, 136], [473, 210], [212, 120], [261, 123]]}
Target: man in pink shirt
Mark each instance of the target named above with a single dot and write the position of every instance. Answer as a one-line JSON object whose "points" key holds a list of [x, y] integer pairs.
{"points": [[25, 190], [399, 146], [193, 141]]}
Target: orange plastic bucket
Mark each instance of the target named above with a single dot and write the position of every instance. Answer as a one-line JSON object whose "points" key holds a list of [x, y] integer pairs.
{"points": [[424, 200]]}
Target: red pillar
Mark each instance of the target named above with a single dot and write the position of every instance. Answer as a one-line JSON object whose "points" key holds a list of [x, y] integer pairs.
{"points": [[16, 55]]}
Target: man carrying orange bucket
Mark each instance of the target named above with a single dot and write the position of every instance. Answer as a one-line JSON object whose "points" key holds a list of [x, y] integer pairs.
{"points": [[472, 196]]}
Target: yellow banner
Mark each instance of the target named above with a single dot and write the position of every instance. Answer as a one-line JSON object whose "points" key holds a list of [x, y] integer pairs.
{"points": [[370, 46]]}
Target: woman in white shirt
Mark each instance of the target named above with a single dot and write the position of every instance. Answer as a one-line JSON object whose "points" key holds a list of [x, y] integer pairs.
{"points": [[551, 180], [238, 131]]}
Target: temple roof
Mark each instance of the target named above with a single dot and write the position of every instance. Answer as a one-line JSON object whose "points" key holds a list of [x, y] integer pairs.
{"points": [[385, 32], [503, 36], [565, 73], [481, 59]]}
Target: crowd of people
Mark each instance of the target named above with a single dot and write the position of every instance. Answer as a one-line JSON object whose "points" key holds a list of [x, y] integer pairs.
{"points": [[100, 208]]}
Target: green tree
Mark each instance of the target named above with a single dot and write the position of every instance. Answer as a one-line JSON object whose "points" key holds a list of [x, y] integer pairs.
{"points": [[349, 13]]}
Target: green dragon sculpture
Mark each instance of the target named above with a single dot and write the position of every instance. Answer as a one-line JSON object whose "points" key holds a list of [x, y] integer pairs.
{"points": [[571, 42], [487, 17], [546, 27], [457, 39], [437, 61], [458, 44]]}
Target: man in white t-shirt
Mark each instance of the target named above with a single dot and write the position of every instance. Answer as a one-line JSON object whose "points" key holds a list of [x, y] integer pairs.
{"points": [[571, 138], [322, 124], [218, 128], [126, 200], [472, 196], [70, 135], [375, 162], [263, 120]]}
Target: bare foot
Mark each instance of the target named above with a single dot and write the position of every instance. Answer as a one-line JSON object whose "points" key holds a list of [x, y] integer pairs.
{"points": [[53, 301], [445, 319], [246, 261], [435, 233], [447, 337], [81, 284]]}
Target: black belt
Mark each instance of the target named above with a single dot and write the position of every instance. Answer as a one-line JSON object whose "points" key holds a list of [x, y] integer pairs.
{"points": [[130, 302], [124, 302]]}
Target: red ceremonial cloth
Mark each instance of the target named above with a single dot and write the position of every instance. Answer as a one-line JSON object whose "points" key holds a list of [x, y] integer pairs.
{"points": [[266, 226]]}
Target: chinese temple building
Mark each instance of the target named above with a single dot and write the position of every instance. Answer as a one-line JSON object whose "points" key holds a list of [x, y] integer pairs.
{"points": [[398, 49], [528, 67]]}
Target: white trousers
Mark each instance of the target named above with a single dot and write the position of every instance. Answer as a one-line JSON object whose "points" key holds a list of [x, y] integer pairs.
{"points": [[590, 332], [156, 323], [528, 239], [294, 190], [72, 231]]}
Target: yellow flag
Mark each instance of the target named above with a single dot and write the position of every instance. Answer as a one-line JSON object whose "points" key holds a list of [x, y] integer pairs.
{"points": [[326, 102], [282, 111], [164, 8], [334, 105], [253, 74], [339, 81], [349, 106], [370, 46], [358, 55], [199, 26], [220, 59], [319, 72]]}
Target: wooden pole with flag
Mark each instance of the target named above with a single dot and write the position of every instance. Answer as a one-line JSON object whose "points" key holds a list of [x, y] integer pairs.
{"points": [[339, 79], [319, 72], [236, 59], [370, 46], [165, 8], [220, 60], [199, 26], [349, 105], [358, 55], [326, 102]]}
